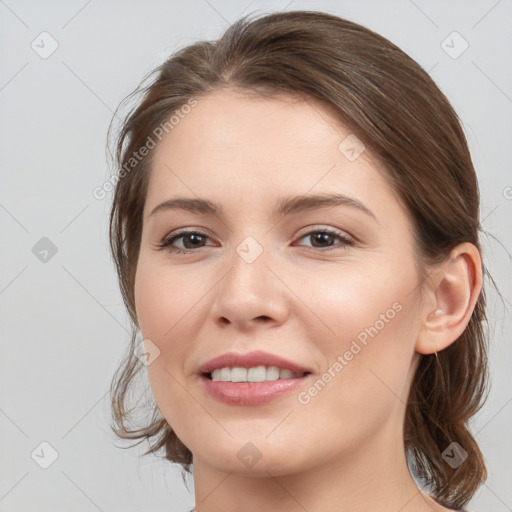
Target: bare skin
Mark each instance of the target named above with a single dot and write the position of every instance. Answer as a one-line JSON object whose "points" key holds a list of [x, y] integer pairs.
{"points": [[343, 449]]}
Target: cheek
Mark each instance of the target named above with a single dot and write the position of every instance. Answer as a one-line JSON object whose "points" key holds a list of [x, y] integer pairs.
{"points": [[166, 303], [163, 299], [372, 322]]}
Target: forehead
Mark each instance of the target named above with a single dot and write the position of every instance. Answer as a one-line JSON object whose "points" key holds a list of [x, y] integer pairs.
{"points": [[241, 146], [283, 124]]}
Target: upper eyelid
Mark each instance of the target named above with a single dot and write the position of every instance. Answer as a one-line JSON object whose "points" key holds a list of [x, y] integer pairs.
{"points": [[302, 232], [192, 231], [319, 227]]}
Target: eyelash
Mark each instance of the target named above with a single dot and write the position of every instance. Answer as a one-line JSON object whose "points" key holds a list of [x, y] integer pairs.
{"points": [[166, 242]]}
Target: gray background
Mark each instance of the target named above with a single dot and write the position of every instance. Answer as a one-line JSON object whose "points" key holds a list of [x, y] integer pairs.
{"points": [[63, 324]]}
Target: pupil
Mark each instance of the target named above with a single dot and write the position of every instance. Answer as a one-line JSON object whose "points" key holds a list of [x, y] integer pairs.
{"points": [[194, 236], [320, 236]]}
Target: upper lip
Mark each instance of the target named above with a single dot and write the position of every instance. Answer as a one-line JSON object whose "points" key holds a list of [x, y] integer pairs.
{"points": [[250, 360]]}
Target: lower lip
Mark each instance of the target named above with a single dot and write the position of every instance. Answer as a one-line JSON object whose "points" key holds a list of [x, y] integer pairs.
{"points": [[252, 393]]}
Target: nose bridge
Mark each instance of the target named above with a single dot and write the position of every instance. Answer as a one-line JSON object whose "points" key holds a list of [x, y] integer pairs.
{"points": [[249, 290], [247, 276]]}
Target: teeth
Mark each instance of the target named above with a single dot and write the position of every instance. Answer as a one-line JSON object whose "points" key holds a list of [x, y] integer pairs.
{"points": [[272, 373], [255, 374], [286, 374], [225, 374], [239, 375], [258, 374]]}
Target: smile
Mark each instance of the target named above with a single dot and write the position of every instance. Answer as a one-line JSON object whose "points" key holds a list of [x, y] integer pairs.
{"points": [[254, 374]]}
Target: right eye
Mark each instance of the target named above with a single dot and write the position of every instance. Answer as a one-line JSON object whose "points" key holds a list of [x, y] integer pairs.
{"points": [[194, 237]]}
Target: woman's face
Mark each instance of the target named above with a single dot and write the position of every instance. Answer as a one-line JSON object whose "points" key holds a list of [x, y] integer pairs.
{"points": [[258, 278]]}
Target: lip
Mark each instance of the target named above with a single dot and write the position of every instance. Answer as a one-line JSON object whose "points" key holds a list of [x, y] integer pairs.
{"points": [[249, 360], [251, 393]]}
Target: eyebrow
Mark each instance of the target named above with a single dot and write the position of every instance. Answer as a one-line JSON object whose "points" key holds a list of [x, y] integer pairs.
{"points": [[284, 207]]}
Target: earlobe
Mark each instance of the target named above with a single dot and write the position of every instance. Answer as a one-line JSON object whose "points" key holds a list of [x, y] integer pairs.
{"points": [[455, 286]]}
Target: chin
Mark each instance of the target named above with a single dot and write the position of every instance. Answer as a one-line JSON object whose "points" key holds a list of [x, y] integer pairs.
{"points": [[251, 459]]}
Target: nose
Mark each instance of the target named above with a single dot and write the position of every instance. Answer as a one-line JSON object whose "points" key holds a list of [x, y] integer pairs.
{"points": [[251, 294]]}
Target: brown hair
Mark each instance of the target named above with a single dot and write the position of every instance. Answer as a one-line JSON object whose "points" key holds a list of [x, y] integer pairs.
{"points": [[393, 106]]}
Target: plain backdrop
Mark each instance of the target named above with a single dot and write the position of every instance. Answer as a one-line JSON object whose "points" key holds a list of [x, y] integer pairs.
{"points": [[63, 324]]}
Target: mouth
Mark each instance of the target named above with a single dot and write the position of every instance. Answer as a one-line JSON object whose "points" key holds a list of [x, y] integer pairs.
{"points": [[242, 392], [252, 375], [252, 378]]}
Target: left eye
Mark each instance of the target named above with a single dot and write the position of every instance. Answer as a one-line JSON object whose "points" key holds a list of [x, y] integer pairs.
{"points": [[323, 236], [326, 235]]}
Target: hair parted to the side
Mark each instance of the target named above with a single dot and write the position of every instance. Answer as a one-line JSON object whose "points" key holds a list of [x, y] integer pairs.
{"points": [[393, 106]]}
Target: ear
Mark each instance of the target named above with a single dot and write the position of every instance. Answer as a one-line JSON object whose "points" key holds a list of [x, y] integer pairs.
{"points": [[454, 288]]}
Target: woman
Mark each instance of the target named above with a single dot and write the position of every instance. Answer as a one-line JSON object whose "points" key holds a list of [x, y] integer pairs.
{"points": [[295, 230]]}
